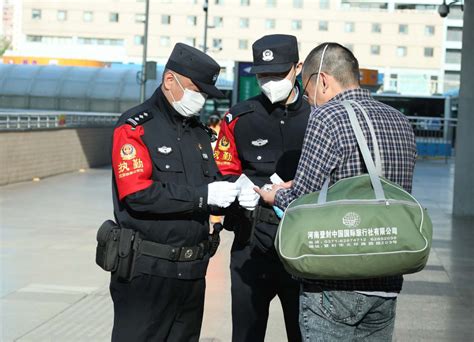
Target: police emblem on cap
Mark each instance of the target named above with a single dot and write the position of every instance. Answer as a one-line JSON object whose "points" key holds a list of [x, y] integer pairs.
{"points": [[214, 78], [128, 152], [165, 150], [260, 142], [267, 55]]}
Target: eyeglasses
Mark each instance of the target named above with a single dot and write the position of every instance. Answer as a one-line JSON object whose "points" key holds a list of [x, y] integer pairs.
{"points": [[305, 97]]}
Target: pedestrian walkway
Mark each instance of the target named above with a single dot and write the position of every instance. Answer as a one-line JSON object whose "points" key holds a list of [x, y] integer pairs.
{"points": [[51, 289]]}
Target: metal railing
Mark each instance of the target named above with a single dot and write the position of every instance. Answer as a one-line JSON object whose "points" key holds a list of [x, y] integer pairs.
{"points": [[30, 120], [435, 137]]}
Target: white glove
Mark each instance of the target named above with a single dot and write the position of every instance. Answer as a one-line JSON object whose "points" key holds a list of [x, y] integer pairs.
{"points": [[221, 194], [248, 198]]}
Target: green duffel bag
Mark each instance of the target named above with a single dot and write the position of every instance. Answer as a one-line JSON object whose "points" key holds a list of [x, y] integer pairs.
{"points": [[360, 227]]}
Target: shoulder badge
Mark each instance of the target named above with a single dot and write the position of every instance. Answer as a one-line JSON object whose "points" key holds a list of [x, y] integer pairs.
{"points": [[139, 119]]}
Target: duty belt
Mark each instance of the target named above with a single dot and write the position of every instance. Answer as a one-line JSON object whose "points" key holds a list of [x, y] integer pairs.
{"points": [[172, 253], [263, 214]]}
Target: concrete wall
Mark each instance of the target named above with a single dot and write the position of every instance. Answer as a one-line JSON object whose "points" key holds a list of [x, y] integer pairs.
{"points": [[25, 155]]}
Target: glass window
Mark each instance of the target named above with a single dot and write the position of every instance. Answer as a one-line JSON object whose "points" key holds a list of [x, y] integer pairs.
{"points": [[244, 22], [87, 16], [375, 49], [138, 40], [298, 3], [453, 56], [349, 27], [393, 82], [376, 28], [244, 2], [451, 80], [429, 30], [191, 20], [217, 43], [165, 19], [218, 21], [36, 14], [114, 17], [403, 29], [62, 15], [165, 41], [324, 4], [35, 39], [269, 24], [219, 2], [323, 25], [243, 44], [190, 41], [271, 3], [454, 34], [401, 51], [429, 52], [296, 24], [140, 18]]}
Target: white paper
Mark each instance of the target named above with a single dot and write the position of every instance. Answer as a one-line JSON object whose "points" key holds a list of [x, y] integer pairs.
{"points": [[276, 179], [244, 182]]}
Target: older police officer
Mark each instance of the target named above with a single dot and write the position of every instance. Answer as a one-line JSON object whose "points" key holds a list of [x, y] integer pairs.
{"points": [[164, 184], [259, 137]]}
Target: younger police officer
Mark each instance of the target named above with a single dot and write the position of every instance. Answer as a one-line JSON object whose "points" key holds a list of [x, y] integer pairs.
{"points": [[259, 137], [163, 186]]}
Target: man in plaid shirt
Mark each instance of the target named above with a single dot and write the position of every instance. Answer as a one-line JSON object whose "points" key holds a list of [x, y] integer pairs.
{"points": [[351, 309]]}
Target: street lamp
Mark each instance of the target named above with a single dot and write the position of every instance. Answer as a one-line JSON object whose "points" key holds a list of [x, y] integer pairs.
{"points": [[443, 9], [143, 77], [205, 8]]}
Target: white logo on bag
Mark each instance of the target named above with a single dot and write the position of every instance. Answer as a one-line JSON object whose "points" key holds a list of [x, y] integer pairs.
{"points": [[351, 219]]}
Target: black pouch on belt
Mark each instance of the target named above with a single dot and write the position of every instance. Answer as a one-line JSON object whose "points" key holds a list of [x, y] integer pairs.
{"points": [[126, 254], [106, 255]]}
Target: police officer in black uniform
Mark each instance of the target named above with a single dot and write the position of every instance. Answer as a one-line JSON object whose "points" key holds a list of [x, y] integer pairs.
{"points": [[259, 137], [164, 186]]}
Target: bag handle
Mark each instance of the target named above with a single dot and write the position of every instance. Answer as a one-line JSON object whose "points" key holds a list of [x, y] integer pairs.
{"points": [[374, 169]]}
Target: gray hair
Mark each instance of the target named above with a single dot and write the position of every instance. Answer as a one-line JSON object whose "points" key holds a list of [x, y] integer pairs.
{"points": [[338, 62]]}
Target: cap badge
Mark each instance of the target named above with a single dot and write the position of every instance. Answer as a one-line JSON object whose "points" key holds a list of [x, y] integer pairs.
{"points": [[260, 142], [214, 78], [267, 55], [165, 150]]}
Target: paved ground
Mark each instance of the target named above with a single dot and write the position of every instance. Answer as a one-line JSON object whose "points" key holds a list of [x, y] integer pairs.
{"points": [[51, 289]]}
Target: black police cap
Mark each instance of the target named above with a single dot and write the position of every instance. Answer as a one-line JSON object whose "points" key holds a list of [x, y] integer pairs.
{"points": [[274, 53], [196, 65]]}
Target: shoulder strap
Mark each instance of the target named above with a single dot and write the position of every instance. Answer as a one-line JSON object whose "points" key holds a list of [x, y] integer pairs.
{"points": [[361, 141]]}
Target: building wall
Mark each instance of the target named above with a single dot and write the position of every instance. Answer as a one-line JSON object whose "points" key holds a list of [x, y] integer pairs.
{"points": [[121, 41], [30, 154]]}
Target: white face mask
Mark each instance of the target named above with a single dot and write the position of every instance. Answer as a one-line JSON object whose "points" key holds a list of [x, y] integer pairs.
{"points": [[191, 103], [315, 104], [275, 88]]}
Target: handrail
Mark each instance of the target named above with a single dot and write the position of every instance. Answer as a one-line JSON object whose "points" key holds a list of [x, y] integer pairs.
{"points": [[30, 120]]}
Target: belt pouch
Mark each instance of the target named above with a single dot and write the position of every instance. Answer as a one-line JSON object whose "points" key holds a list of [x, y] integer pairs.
{"points": [[106, 255], [126, 255]]}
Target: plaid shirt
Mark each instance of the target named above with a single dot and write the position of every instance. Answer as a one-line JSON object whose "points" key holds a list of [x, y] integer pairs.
{"points": [[330, 149]]}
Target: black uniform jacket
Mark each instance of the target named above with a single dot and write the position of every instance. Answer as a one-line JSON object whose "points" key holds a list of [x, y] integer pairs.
{"points": [[259, 138], [162, 163]]}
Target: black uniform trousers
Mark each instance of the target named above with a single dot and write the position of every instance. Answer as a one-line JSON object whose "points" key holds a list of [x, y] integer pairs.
{"points": [[153, 308], [257, 277]]}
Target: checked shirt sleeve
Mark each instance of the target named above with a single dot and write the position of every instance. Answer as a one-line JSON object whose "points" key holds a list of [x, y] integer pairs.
{"points": [[319, 157]]}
